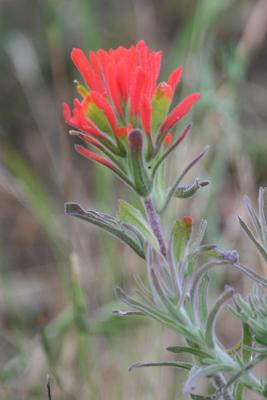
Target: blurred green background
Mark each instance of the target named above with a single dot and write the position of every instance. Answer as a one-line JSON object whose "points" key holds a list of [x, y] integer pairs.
{"points": [[57, 275]]}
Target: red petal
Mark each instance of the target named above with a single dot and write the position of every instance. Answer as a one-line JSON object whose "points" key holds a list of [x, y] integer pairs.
{"points": [[82, 64], [136, 91], [145, 112], [179, 111], [102, 103], [124, 131], [95, 157], [110, 75], [66, 112], [155, 68], [80, 121], [175, 77], [103, 58], [142, 51], [88, 139], [98, 83], [122, 78]]}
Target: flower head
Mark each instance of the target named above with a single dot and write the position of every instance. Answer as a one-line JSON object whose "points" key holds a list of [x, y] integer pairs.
{"points": [[121, 93]]}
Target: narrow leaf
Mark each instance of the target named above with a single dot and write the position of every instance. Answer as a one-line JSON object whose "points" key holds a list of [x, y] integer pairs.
{"points": [[210, 326], [131, 215], [186, 191], [170, 149], [253, 239], [244, 370], [138, 166], [200, 233], [247, 341], [178, 181], [180, 236], [253, 215], [109, 224], [198, 373], [183, 365], [202, 294], [151, 312], [238, 393], [123, 313], [189, 350]]}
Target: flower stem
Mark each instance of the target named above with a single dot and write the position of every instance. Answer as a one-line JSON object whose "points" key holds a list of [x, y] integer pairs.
{"points": [[220, 382], [154, 221]]}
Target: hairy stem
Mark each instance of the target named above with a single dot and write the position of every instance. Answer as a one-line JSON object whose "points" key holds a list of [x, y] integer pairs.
{"points": [[220, 383], [154, 222]]}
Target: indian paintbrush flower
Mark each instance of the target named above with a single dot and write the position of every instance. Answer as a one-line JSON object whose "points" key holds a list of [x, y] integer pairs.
{"points": [[121, 94], [124, 116]]}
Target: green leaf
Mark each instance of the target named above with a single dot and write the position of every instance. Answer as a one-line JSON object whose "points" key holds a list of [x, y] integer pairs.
{"points": [[245, 369], [211, 321], [143, 183], [180, 236], [126, 233], [199, 237], [253, 216], [253, 239], [198, 397], [202, 294], [238, 393], [247, 341], [174, 187], [195, 246], [160, 106], [159, 189], [202, 372], [190, 350], [130, 215], [183, 365], [258, 350], [186, 191]]}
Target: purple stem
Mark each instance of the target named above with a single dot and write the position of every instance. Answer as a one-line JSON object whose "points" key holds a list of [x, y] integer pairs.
{"points": [[154, 221]]}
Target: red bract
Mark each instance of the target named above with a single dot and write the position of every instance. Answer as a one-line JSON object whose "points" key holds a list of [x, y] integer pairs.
{"points": [[123, 112], [122, 93], [179, 111]]}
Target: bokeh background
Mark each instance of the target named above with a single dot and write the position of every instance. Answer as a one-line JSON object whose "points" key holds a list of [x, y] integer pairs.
{"points": [[57, 275]]}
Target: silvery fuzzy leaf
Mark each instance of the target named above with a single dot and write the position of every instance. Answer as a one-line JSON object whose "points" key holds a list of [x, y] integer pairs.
{"points": [[181, 234], [110, 224], [123, 313], [246, 342], [210, 335], [189, 350], [186, 191], [147, 309], [197, 373], [261, 249], [172, 190], [253, 216], [202, 295], [131, 215], [183, 365]]}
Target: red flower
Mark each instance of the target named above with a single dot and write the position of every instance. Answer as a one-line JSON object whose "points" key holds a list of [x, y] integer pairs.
{"points": [[122, 91], [120, 94]]}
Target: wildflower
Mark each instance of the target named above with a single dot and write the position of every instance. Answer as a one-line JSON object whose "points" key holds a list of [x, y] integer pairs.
{"points": [[121, 94]]}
